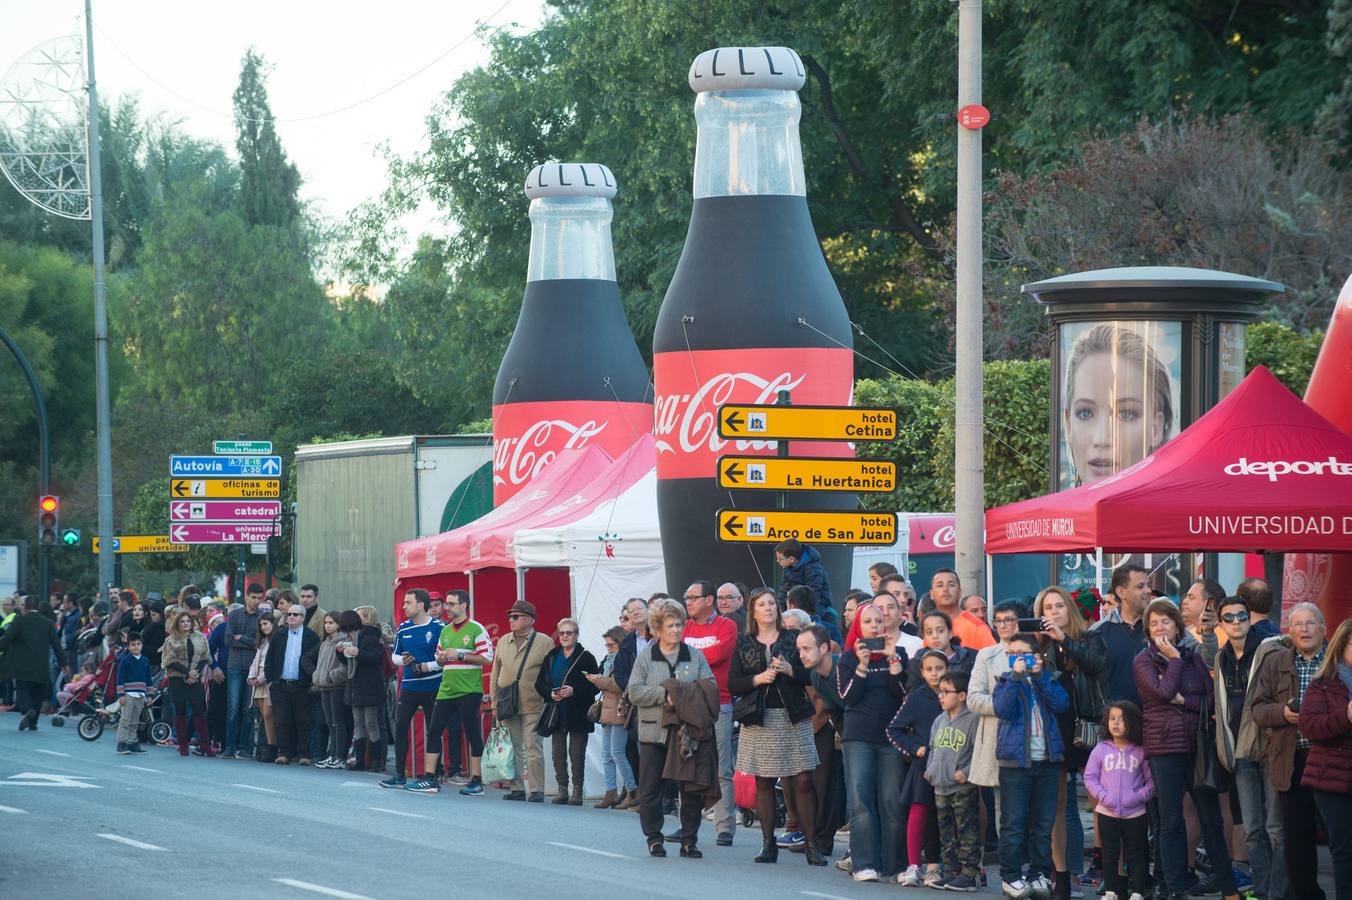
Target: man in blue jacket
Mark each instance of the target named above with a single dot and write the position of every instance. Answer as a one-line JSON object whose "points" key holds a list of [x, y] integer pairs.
{"points": [[1029, 750]]}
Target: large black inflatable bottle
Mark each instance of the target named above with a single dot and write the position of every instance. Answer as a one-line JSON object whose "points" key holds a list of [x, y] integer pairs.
{"points": [[751, 311], [572, 375]]}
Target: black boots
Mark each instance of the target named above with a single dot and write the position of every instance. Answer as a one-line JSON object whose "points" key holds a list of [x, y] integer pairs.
{"points": [[769, 851], [1061, 886], [814, 856]]}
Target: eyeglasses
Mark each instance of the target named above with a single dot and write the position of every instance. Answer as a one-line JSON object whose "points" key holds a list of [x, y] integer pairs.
{"points": [[567, 633], [294, 615], [693, 596], [943, 691], [1235, 617], [729, 596], [514, 616]]}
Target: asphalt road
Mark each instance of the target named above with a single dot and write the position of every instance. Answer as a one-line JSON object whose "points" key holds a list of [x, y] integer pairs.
{"points": [[77, 820]]}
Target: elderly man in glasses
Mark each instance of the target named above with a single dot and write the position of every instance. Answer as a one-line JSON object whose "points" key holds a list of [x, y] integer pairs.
{"points": [[290, 662], [516, 664]]}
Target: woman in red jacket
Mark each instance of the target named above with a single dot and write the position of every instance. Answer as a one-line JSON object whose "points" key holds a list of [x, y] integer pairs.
{"points": [[1326, 719]]}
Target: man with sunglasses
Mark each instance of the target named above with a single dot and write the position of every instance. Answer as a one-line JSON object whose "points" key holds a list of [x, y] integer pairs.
{"points": [[1237, 739], [517, 660], [289, 664]]}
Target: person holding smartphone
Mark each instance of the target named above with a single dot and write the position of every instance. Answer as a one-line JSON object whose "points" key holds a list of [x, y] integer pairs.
{"points": [[871, 679]]}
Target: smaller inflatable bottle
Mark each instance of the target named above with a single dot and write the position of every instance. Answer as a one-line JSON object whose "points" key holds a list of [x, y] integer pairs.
{"points": [[572, 374]]}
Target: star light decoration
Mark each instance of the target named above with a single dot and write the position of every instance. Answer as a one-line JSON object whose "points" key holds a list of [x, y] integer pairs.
{"points": [[44, 146]]}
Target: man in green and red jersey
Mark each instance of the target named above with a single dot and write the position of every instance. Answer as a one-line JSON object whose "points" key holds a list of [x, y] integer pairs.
{"points": [[463, 651]]}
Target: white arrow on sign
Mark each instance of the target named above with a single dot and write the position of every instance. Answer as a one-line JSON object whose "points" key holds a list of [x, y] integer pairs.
{"points": [[270, 467], [40, 779], [178, 532], [179, 508]]}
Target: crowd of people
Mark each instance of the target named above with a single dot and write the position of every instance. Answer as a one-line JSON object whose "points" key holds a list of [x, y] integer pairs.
{"points": [[913, 738]]}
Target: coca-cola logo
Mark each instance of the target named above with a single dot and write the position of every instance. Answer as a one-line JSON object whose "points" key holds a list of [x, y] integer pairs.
{"points": [[517, 459], [690, 420], [944, 537], [403, 559]]}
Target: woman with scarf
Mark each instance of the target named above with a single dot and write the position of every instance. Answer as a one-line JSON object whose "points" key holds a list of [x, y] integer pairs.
{"points": [[1326, 719]]}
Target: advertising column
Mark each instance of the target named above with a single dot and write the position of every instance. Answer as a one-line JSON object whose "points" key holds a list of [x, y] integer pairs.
{"points": [[572, 374], [751, 311]]}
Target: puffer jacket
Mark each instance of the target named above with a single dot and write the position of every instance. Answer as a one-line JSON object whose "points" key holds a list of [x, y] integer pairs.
{"points": [[1170, 728], [330, 668], [810, 572], [610, 692], [991, 663], [645, 690], [1323, 719], [786, 691], [179, 656], [1013, 702], [367, 677]]}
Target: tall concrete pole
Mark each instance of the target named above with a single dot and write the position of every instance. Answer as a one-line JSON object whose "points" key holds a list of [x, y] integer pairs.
{"points": [[103, 438], [969, 469]]}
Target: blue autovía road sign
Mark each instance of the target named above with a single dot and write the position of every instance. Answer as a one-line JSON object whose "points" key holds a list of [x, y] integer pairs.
{"points": [[226, 466]]}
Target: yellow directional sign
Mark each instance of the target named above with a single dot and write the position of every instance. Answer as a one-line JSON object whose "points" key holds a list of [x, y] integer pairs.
{"points": [[236, 488], [143, 543], [807, 473], [742, 526], [807, 423]]}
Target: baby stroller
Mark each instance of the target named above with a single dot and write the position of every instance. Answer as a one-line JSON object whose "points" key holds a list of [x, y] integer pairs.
{"points": [[88, 697], [153, 727]]}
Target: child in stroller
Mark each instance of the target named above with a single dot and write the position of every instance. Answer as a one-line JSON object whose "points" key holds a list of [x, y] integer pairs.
{"points": [[84, 695]]}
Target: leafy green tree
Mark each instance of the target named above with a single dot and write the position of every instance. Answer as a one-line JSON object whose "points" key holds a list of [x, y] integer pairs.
{"points": [[1288, 353], [269, 182]]}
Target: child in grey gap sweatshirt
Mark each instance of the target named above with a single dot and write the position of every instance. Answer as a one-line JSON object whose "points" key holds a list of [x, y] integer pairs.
{"points": [[948, 762]]}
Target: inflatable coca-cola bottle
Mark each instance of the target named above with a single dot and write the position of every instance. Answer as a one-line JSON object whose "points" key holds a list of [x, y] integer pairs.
{"points": [[751, 311], [572, 374]]}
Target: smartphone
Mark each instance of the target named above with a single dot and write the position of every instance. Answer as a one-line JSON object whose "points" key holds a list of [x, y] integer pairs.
{"points": [[1029, 660], [1294, 703], [875, 644], [1030, 626]]}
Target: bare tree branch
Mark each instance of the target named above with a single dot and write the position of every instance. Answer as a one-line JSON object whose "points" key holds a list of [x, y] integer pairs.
{"points": [[906, 220]]}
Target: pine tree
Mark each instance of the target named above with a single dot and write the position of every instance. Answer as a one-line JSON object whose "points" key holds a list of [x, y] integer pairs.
{"points": [[269, 182]]}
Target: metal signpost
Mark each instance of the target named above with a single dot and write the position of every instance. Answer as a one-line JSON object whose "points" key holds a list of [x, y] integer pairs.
{"points": [[230, 497], [782, 422]]}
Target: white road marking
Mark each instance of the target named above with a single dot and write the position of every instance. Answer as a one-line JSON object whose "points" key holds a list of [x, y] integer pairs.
{"points": [[358, 784], [139, 845], [320, 889], [143, 769], [589, 850], [827, 896], [41, 779], [395, 812], [254, 787], [13, 810], [51, 752]]}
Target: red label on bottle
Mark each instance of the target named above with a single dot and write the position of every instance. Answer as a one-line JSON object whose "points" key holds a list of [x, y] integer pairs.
{"points": [[527, 436], [692, 385]]}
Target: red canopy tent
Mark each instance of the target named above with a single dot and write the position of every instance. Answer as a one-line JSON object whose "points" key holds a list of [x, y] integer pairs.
{"points": [[1259, 472]]}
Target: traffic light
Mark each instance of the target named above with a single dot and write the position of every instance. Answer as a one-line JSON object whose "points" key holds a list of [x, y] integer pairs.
{"points": [[70, 537], [49, 519]]}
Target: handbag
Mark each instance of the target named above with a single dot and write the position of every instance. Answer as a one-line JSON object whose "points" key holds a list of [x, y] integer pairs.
{"points": [[1087, 734], [1206, 770], [509, 695], [594, 711], [498, 761], [749, 709]]}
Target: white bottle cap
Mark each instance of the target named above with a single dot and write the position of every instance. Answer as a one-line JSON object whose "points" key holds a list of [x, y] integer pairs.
{"points": [[570, 180], [747, 69]]}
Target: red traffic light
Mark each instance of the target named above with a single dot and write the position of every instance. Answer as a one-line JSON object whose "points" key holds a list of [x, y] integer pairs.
{"points": [[49, 503]]}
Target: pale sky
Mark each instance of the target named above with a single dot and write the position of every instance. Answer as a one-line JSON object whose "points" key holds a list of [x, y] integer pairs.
{"points": [[324, 56]]}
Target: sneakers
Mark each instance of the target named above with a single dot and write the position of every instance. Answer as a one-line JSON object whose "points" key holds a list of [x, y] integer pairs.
{"points": [[1018, 889], [1040, 887], [394, 781], [136, 747], [1076, 888], [459, 778], [932, 876], [226, 754], [425, 785], [791, 839], [865, 875], [1243, 880], [845, 864], [474, 789], [910, 878], [724, 839], [1206, 886], [941, 883], [960, 883], [123, 749], [1108, 895]]}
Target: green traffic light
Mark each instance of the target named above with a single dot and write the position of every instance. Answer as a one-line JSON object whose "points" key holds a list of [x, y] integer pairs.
{"points": [[70, 537]]}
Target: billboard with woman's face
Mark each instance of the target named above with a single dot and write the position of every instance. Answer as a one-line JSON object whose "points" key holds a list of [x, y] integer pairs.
{"points": [[1119, 395], [1120, 401]]}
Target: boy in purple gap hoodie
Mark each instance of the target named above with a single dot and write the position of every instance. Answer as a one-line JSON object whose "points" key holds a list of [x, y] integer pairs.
{"points": [[1119, 783]]}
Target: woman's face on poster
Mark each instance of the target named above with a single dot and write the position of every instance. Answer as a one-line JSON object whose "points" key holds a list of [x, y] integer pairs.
{"points": [[1111, 419]]}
